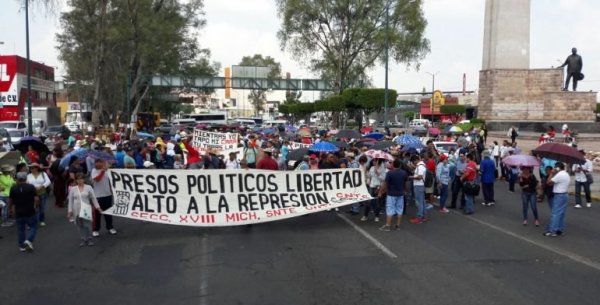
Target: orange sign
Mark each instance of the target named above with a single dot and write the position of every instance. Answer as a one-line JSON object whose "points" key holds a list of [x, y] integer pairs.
{"points": [[437, 101]]}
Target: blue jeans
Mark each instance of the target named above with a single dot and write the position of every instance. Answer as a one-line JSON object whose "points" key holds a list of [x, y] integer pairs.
{"points": [[420, 200], [443, 195], [469, 207], [529, 200], [559, 208], [586, 189], [22, 224], [42, 208]]}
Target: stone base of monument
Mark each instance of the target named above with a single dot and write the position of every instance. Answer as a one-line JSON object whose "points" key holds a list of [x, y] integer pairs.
{"points": [[527, 96]]}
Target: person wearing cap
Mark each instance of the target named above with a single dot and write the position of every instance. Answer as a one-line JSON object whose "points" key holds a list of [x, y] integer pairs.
{"points": [[488, 177], [581, 181], [103, 193], [559, 180], [442, 175], [267, 162], [23, 201], [303, 165], [41, 182], [6, 183]]}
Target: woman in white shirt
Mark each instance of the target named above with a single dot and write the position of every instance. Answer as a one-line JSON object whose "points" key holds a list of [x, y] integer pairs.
{"points": [[82, 199], [41, 182], [375, 177]]}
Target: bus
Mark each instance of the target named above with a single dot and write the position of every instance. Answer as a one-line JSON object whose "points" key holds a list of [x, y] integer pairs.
{"points": [[213, 118]]}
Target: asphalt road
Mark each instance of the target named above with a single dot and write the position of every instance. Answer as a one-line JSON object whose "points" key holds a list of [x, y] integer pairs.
{"points": [[485, 258]]}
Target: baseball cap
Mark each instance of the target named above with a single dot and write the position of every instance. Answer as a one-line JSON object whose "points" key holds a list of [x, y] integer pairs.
{"points": [[21, 176]]}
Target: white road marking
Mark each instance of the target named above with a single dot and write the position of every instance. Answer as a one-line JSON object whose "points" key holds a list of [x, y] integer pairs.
{"points": [[204, 260], [570, 255], [368, 236]]}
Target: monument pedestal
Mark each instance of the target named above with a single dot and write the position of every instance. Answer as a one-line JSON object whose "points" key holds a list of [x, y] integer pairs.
{"points": [[531, 95]]}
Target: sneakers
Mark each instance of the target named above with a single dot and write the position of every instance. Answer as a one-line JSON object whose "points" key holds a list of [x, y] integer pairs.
{"points": [[385, 228], [112, 231], [550, 234], [444, 210], [42, 223], [491, 203], [364, 218], [429, 206], [416, 221], [376, 219], [524, 222], [23, 249], [95, 233], [28, 245], [90, 243], [485, 204], [537, 223], [589, 205], [577, 206]]}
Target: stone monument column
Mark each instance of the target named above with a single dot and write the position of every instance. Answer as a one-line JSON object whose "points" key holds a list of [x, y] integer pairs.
{"points": [[510, 93], [506, 34]]}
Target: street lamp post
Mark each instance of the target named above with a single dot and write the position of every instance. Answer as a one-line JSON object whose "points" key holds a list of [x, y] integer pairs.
{"points": [[28, 67], [387, 45], [432, 90]]}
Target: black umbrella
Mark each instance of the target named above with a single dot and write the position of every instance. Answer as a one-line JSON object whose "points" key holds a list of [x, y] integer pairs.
{"points": [[340, 144], [35, 142], [383, 145], [363, 144], [297, 154], [348, 133], [560, 152]]}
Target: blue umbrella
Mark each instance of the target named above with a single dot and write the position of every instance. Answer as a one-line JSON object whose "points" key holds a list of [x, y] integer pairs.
{"points": [[269, 131], [375, 135], [80, 153], [99, 154], [407, 139], [145, 136], [291, 128], [415, 146], [323, 147]]}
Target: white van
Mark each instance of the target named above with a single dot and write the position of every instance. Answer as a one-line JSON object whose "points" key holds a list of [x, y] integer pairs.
{"points": [[419, 123], [274, 123], [246, 122]]}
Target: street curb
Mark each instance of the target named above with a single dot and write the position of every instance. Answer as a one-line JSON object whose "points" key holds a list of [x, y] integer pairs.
{"points": [[594, 197]]}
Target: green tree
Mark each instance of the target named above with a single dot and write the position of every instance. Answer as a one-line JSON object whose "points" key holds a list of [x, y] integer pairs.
{"points": [[259, 97], [107, 44], [343, 39], [456, 112]]}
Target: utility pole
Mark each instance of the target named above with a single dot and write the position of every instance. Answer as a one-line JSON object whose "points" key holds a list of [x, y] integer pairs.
{"points": [[387, 46], [28, 67], [432, 92]]}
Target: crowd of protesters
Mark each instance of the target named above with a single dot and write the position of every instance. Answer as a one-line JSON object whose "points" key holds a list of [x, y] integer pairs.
{"points": [[426, 178]]}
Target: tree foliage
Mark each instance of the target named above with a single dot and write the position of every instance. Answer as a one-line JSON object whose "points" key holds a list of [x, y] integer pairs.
{"points": [[455, 112], [368, 100], [343, 39], [259, 97], [107, 44]]}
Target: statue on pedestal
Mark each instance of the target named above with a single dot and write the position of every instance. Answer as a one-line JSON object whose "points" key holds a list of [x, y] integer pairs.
{"points": [[574, 65]]}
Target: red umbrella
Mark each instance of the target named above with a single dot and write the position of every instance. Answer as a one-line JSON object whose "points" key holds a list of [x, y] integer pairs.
{"points": [[560, 152]]}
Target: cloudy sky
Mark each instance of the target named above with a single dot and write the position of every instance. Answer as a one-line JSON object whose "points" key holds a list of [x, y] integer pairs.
{"points": [[236, 28]]}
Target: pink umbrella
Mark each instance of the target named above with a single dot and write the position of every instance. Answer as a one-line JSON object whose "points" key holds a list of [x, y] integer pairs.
{"points": [[521, 160], [433, 131], [378, 154]]}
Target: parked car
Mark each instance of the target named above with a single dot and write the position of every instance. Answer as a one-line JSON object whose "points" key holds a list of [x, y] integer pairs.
{"points": [[419, 123], [5, 136], [53, 131], [13, 125], [16, 135], [445, 147]]}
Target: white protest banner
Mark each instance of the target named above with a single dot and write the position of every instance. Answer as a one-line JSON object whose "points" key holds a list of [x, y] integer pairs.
{"points": [[208, 198], [205, 140], [298, 145]]}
